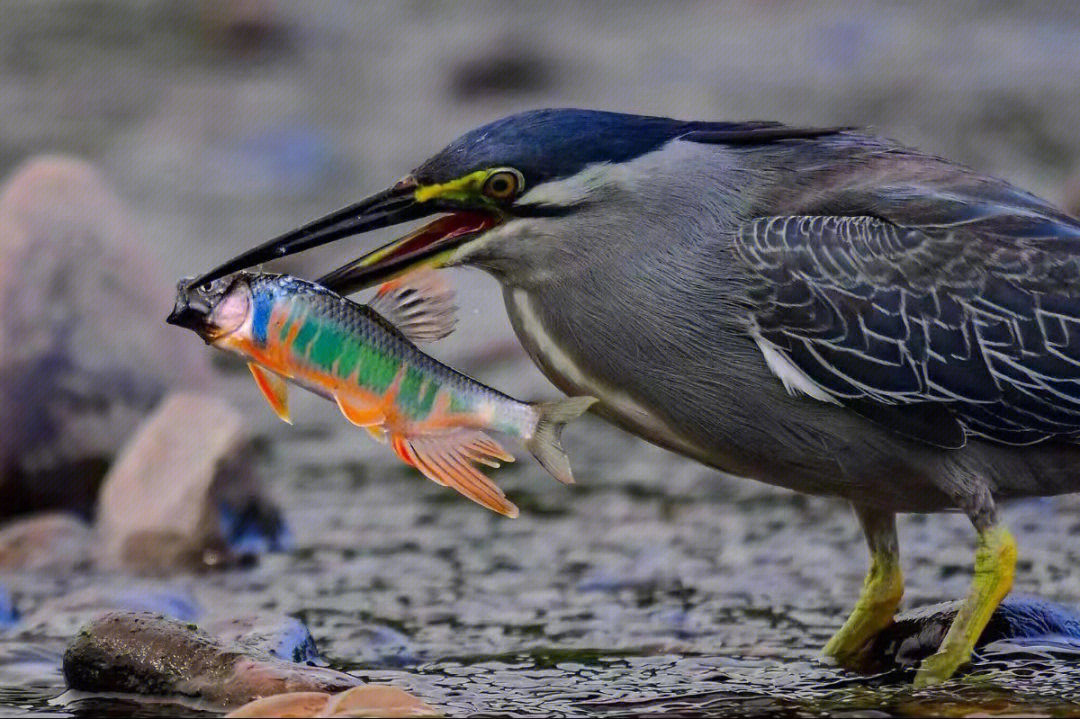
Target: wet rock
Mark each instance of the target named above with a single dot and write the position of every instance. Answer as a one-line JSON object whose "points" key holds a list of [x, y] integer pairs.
{"points": [[166, 501], [366, 701], [280, 636], [63, 616], [83, 352], [1018, 624], [145, 653], [52, 541]]}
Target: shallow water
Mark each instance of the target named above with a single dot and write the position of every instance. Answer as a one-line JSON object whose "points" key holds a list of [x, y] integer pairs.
{"points": [[654, 585]]}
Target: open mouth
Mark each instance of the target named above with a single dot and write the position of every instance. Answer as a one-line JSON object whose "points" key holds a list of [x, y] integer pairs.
{"points": [[430, 245]]}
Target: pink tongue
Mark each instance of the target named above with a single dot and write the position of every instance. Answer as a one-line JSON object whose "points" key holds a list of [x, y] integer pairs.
{"points": [[444, 228]]}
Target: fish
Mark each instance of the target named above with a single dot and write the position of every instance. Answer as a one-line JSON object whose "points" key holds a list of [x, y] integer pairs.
{"points": [[364, 357]]}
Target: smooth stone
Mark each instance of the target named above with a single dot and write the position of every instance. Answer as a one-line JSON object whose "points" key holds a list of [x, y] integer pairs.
{"points": [[163, 501], [145, 653], [53, 541], [364, 701], [84, 355], [378, 701], [63, 616], [278, 635], [293, 704]]}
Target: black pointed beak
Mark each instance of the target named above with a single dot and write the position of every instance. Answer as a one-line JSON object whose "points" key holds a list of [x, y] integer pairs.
{"points": [[389, 207]]}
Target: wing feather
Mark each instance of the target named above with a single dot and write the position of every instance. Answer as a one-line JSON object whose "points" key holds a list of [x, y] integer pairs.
{"points": [[960, 315]]}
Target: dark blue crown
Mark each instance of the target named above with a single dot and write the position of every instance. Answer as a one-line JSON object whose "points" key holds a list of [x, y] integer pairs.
{"points": [[549, 144]]}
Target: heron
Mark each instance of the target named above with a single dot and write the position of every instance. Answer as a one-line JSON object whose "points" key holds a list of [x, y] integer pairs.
{"points": [[820, 309]]}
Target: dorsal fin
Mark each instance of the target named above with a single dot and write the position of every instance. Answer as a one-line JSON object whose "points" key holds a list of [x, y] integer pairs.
{"points": [[760, 133], [420, 305]]}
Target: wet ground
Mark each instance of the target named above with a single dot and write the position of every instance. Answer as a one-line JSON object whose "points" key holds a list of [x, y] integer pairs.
{"points": [[654, 585]]}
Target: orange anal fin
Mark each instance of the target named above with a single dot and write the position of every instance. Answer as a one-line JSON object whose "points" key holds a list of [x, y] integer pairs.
{"points": [[274, 389], [448, 460], [360, 415], [377, 432]]}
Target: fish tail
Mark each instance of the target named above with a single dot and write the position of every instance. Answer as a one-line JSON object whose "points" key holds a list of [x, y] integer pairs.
{"points": [[544, 443], [448, 459]]}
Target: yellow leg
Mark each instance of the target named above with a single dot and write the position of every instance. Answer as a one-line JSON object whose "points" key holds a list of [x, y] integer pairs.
{"points": [[881, 592], [995, 564]]}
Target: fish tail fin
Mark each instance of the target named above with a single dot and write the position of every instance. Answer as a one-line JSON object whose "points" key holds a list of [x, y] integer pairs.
{"points": [[448, 459], [544, 443]]}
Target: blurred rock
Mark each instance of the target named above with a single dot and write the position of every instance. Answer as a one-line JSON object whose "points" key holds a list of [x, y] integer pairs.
{"points": [[163, 501], [46, 541], [280, 636], [8, 615], [84, 354], [509, 66], [366, 701], [1021, 624], [61, 617], [145, 653]]}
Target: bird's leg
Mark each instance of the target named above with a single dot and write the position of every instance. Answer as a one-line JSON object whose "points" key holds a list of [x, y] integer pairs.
{"points": [[995, 564], [881, 592]]}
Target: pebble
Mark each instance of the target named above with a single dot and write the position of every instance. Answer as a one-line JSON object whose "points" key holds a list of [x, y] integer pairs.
{"points": [[48, 541]]}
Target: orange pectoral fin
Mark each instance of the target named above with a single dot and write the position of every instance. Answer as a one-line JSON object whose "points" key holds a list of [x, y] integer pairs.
{"points": [[448, 460], [274, 388], [360, 415]]}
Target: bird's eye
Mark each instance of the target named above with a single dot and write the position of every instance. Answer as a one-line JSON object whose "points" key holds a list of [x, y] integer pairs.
{"points": [[503, 184]]}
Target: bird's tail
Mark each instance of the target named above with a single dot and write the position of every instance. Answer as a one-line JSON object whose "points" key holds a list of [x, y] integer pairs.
{"points": [[544, 443]]}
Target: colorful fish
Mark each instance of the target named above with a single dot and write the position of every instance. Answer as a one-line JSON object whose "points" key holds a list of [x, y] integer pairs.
{"points": [[433, 417]]}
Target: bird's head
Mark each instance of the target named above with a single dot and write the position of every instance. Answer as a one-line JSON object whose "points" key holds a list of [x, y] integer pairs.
{"points": [[489, 188]]}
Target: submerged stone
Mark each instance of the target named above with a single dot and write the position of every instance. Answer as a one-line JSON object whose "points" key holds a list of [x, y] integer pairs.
{"points": [[146, 653], [1021, 623]]}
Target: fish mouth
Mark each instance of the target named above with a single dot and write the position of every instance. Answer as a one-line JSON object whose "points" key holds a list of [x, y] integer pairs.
{"points": [[430, 245]]}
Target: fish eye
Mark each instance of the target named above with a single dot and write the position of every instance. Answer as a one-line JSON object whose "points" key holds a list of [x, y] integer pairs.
{"points": [[503, 184]]}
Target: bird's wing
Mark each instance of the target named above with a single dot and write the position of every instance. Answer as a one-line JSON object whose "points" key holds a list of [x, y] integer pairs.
{"points": [[946, 320]]}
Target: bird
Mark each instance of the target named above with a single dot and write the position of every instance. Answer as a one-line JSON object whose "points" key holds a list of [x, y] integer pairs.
{"points": [[821, 309]]}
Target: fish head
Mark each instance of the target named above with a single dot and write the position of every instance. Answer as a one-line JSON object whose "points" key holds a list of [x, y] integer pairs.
{"points": [[215, 310]]}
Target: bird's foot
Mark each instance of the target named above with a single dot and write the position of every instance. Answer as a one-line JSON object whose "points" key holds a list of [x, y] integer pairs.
{"points": [[995, 563], [882, 590]]}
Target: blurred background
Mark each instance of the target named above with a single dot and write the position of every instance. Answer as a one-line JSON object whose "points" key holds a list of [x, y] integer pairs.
{"points": [[204, 128]]}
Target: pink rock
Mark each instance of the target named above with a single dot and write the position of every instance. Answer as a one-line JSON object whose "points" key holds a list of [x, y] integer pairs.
{"points": [[293, 704], [84, 353], [161, 502], [46, 541], [378, 701]]}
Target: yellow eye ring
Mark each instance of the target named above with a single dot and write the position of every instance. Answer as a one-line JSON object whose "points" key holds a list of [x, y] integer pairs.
{"points": [[503, 184]]}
